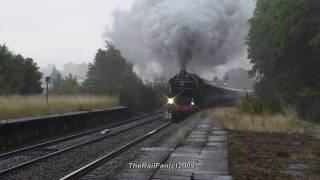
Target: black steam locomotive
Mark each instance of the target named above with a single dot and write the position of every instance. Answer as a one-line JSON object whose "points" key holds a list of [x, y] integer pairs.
{"points": [[189, 93]]}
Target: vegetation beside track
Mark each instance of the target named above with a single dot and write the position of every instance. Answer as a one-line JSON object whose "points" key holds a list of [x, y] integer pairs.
{"points": [[273, 155], [27, 106], [110, 78], [269, 145], [233, 118], [283, 47]]}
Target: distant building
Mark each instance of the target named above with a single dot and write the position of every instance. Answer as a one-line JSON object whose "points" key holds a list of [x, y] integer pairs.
{"points": [[77, 70]]}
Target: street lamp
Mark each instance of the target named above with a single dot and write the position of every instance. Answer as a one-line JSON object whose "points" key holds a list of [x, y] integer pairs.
{"points": [[47, 88], [90, 91]]}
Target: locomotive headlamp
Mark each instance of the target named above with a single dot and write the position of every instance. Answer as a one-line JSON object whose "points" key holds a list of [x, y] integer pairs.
{"points": [[192, 102], [170, 100]]}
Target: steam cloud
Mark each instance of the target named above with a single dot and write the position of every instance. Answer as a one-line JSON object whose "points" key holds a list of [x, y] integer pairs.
{"points": [[164, 36]]}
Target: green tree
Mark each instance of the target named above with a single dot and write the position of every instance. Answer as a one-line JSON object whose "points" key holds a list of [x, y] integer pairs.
{"points": [[64, 85], [135, 94], [129, 89], [32, 77], [11, 71], [284, 41], [111, 74], [105, 72], [17, 74]]}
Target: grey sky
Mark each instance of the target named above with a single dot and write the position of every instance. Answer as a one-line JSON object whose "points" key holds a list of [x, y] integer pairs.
{"points": [[60, 31]]}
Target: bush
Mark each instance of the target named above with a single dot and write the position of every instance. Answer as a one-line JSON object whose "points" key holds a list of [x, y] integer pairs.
{"points": [[272, 105], [257, 106], [251, 105], [308, 104], [233, 119], [141, 98], [314, 113]]}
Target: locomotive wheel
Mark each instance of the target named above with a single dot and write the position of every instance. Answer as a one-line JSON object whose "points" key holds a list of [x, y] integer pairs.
{"points": [[175, 117], [179, 116]]}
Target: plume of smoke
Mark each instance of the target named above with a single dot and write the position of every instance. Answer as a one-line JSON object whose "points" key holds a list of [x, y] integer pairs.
{"points": [[168, 35]]}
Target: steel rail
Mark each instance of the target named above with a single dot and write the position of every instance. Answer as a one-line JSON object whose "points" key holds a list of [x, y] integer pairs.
{"points": [[51, 142], [11, 169], [102, 160]]}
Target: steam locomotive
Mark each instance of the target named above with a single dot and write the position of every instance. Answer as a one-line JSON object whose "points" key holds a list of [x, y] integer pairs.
{"points": [[188, 93]]}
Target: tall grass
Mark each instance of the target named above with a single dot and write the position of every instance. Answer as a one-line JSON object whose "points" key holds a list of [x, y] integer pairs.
{"points": [[233, 118], [26, 106]]}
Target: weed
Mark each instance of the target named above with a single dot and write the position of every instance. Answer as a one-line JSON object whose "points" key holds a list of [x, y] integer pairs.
{"points": [[181, 140], [233, 118], [26, 106], [182, 136]]}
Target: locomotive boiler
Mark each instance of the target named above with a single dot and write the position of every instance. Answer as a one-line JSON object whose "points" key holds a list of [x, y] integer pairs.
{"points": [[188, 93]]}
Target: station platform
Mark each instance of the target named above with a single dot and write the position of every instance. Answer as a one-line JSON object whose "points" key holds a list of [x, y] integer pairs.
{"points": [[202, 155], [206, 150]]}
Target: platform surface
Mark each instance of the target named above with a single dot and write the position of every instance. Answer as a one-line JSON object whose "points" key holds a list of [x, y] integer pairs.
{"points": [[202, 154], [206, 149]]}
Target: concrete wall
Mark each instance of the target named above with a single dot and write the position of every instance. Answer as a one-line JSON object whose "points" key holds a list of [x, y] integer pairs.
{"points": [[20, 131]]}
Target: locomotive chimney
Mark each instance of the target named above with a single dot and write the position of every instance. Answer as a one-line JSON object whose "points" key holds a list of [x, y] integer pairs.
{"points": [[182, 71]]}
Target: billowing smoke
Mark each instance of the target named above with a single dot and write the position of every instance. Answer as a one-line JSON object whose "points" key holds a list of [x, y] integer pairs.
{"points": [[164, 36]]}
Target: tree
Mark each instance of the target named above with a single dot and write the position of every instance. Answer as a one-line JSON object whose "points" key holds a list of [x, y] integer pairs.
{"points": [[32, 77], [284, 41], [17, 74], [11, 71], [135, 94], [64, 85], [111, 74], [129, 89], [105, 72]]}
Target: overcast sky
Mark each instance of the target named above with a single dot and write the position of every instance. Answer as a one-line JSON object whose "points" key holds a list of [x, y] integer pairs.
{"points": [[58, 31]]}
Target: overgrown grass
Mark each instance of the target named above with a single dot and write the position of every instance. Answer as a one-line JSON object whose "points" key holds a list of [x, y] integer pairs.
{"points": [[233, 118], [182, 136], [26, 106]]}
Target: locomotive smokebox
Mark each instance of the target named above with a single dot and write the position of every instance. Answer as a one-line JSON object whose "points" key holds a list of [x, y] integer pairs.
{"points": [[183, 72]]}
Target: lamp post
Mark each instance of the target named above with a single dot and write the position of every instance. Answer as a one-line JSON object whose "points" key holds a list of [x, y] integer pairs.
{"points": [[47, 88], [90, 91]]}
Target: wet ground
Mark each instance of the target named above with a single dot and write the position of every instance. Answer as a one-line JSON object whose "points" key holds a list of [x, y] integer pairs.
{"points": [[274, 156], [194, 149]]}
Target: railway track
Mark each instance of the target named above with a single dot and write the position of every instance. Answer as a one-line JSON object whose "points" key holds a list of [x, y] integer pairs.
{"points": [[46, 143], [15, 160], [85, 170]]}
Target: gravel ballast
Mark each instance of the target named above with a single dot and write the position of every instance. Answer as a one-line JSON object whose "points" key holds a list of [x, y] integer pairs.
{"points": [[62, 164]]}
